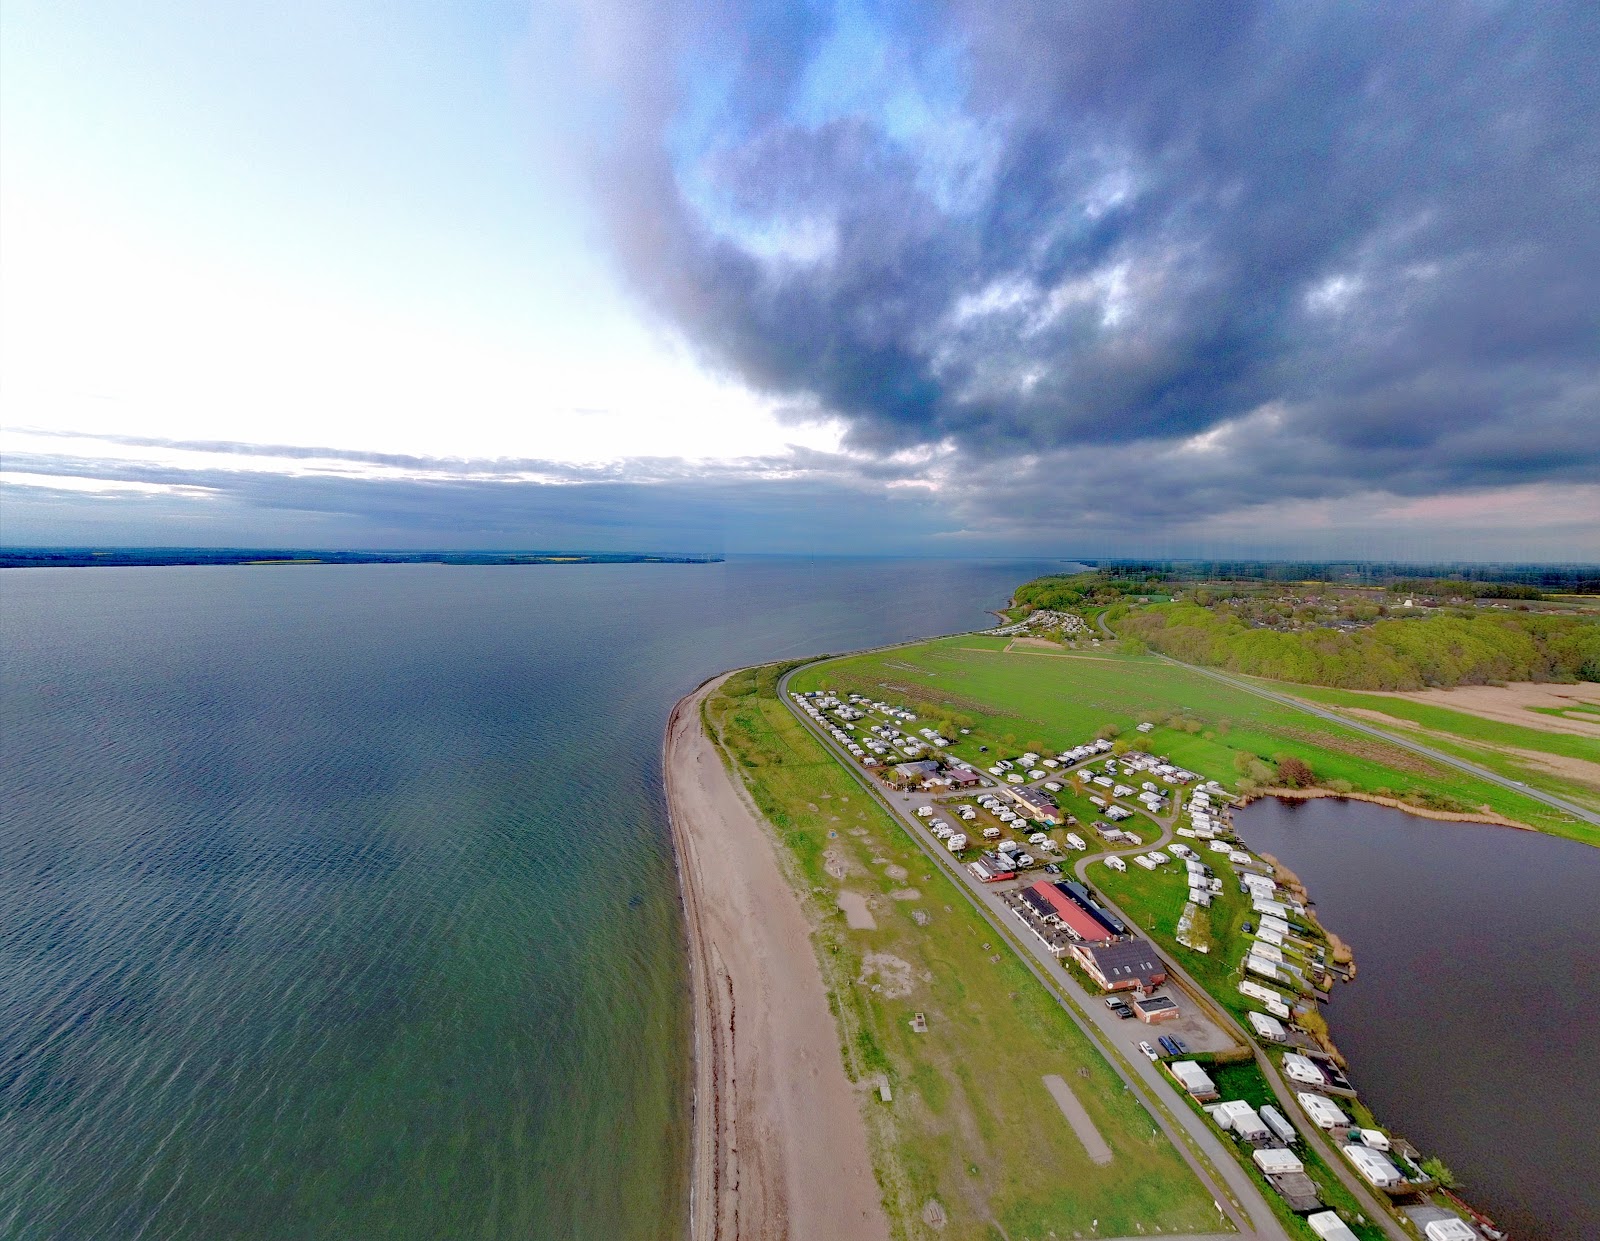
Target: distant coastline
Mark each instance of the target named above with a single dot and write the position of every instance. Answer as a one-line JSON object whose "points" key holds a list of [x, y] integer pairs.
{"points": [[161, 557]]}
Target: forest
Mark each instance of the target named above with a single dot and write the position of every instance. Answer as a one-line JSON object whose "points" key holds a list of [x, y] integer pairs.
{"points": [[1433, 651]]}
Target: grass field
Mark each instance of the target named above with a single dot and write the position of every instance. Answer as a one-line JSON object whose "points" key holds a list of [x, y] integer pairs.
{"points": [[1479, 740], [971, 1125], [1022, 699]]}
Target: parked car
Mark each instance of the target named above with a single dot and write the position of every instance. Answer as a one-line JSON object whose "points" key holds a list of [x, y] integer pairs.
{"points": [[1183, 1048], [1249, 928], [1051, 868], [1149, 1051], [1123, 1011]]}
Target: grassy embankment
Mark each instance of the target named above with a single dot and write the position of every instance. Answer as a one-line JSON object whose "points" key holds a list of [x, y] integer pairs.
{"points": [[1047, 701], [971, 1125], [1490, 743]]}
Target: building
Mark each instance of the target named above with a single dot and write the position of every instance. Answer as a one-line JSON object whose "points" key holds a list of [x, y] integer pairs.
{"points": [[991, 868], [1275, 1162], [1375, 1167], [918, 771], [1052, 903], [1330, 1227], [1122, 965], [1154, 1008], [1036, 804], [1324, 1112], [1194, 1079], [1243, 1120], [1269, 1028], [1452, 1229]]}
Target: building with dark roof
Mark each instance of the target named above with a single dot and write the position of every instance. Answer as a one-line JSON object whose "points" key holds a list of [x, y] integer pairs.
{"points": [[1122, 965]]}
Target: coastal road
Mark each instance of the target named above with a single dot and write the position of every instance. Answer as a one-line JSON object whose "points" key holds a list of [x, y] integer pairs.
{"points": [[1235, 1193], [1405, 743]]}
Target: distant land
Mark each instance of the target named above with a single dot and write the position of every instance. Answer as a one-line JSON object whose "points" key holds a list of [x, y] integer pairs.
{"points": [[145, 557]]}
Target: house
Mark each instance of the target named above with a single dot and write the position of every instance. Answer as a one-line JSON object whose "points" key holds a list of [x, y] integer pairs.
{"points": [[1243, 1120], [917, 771], [1036, 804], [1194, 1079], [990, 868], [1330, 1227], [1374, 1167], [1275, 1162], [1122, 965], [1154, 1008], [1324, 1112]]}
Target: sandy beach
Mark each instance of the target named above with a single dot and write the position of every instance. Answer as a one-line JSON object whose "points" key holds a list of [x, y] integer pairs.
{"points": [[779, 1146]]}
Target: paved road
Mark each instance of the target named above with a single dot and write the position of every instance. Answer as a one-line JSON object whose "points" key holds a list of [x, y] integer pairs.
{"points": [[1405, 743], [1236, 1194]]}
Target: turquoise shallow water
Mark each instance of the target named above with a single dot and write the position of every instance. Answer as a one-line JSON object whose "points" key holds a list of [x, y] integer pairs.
{"points": [[338, 902]]}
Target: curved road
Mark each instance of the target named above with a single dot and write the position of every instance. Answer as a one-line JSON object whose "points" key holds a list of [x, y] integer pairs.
{"points": [[1405, 743]]}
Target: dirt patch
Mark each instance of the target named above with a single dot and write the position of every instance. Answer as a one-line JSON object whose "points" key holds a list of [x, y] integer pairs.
{"points": [[1368, 748], [1093, 1144], [905, 894], [856, 914], [1515, 703], [933, 1215], [897, 873], [834, 863], [894, 976], [1579, 769]]}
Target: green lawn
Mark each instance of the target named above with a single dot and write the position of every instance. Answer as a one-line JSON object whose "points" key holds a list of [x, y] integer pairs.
{"points": [[971, 1124], [1047, 701]]}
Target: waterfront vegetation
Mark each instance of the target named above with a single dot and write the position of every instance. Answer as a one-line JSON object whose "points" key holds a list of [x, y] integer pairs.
{"points": [[1011, 699], [971, 1126]]}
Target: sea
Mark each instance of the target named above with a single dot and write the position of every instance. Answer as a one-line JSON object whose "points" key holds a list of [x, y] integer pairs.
{"points": [[339, 902], [1471, 1025]]}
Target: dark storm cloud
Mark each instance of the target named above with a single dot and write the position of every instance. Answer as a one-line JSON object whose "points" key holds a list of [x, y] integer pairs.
{"points": [[1331, 248]]}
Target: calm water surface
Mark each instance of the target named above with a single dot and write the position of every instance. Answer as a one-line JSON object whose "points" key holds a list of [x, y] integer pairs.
{"points": [[1471, 1026], [338, 902]]}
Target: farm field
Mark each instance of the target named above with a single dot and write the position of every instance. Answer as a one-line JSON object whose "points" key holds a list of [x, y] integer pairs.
{"points": [[971, 1127], [1019, 699]]}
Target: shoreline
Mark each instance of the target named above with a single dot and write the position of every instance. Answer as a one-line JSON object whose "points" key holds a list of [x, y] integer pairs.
{"points": [[778, 1143], [1394, 803]]}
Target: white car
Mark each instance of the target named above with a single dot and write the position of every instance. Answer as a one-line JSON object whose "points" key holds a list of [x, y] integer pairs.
{"points": [[1149, 1051]]}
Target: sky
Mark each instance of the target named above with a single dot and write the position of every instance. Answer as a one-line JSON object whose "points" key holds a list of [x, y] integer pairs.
{"points": [[1020, 277]]}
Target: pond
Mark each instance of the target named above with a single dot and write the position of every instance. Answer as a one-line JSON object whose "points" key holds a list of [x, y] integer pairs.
{"points": [[1470, 1027]]}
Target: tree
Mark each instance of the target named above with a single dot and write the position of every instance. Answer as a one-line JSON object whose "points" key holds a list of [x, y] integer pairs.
{"points": [[1436, 1168], [1294, 772]]}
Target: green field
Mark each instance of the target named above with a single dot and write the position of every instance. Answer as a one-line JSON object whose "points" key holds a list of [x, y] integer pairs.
{"points": [[1020, 699], [971, 1125], [1489, 743]]}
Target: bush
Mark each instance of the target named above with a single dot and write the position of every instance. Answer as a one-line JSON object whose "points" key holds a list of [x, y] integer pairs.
{"points": [[1294, 772]]}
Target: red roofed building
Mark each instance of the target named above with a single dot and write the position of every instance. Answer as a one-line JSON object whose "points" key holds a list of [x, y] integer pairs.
{"points": [[1050, 901]]}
